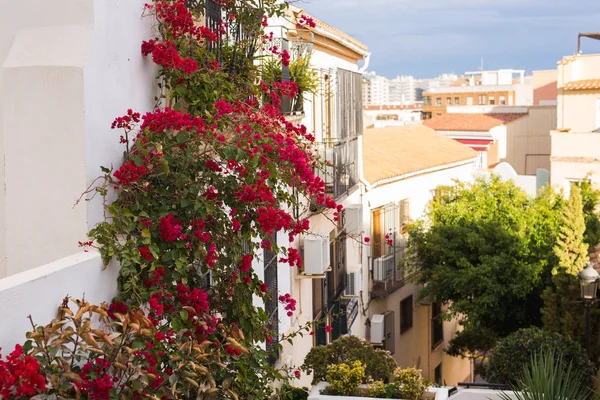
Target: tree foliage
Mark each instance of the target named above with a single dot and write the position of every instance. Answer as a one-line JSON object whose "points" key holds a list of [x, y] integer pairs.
{"points": [[563, 311], [379, 364], [485, 249], [514, 353]]}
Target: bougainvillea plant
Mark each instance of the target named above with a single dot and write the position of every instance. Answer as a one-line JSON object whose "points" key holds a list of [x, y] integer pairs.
{"points": [[204, 185]]}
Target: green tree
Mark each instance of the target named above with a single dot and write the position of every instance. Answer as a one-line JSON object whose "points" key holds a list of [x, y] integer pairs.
{"points": [[485, 250], [591, 201], [562, 311], [514, 353]]}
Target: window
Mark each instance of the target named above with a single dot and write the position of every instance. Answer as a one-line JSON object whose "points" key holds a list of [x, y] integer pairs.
{"points": [[438, 101], [469, 101], [406, 314], [502, 100], [437, 375], [438, 114], [427, 100], [437, 325], [482, 99], [457, 101], [448, 101], [492, 100]]}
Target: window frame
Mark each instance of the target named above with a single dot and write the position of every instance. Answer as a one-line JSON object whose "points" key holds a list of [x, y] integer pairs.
{"points": [[406, 323]]}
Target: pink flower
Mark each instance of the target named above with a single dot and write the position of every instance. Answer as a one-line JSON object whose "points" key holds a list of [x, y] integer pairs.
{"points": [[367, 239], [297, 373], [328, 329]]}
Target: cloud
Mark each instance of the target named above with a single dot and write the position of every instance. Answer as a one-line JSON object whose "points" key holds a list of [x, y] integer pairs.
{"points": [[433, 36]]}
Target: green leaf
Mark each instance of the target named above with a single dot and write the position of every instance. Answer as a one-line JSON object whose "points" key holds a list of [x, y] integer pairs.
{"points": [[184, 315], [146, 233], [176, 324]]}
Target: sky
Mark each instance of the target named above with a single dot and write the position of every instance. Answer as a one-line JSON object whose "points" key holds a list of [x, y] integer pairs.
{"points": [[425, 38]]}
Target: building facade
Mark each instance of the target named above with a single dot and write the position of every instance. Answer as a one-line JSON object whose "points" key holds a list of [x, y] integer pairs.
{"points": [[333, 114], [66, 71], [576, 140], [402, 168], [493, 88]]}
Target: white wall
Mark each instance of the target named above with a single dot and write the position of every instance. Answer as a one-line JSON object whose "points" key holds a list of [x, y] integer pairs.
{"points": [[413, 347], [38, 292], [67, 70]]}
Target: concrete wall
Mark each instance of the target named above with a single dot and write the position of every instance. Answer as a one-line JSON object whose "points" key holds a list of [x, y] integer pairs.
{"points": [[574, 157], [413, 347], [39, 291], [528, 140], [544, 86], [66, 70], [578, 110]]}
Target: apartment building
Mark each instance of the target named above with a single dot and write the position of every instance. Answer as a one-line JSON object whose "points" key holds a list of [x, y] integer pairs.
{"points": [[575, 153], [517, 135], [401, 90], [333, 113], [480, 88], [62, 81], [402, 168]]}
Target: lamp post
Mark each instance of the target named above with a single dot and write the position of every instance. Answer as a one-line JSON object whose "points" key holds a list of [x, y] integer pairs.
{"points": [[588, 281]]}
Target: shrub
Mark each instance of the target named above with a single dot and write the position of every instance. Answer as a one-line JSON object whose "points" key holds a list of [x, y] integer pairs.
{"points": [[548, 376], [344, 378], [410, 382], [379, 364], [376, 389], [513, 353]]}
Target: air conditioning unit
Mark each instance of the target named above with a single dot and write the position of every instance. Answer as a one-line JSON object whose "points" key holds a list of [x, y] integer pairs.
{"points": [[377, 328], [316, 254], [383, 268], [353, 288], [352, 219]]}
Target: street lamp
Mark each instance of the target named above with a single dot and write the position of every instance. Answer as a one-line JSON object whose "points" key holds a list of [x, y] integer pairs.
{"points": [[588, 281]]}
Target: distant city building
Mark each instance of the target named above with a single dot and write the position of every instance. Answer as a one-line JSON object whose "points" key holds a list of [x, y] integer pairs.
{"points": [[401, 90], [480, 88]]}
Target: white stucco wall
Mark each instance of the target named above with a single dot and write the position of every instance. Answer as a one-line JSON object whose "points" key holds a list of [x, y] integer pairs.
{"points": [[39, 291], [67, 69], [413, 347]]}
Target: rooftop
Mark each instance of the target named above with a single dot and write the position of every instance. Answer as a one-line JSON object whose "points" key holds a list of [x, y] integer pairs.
{"points": [[394, 151], [583, 84], [471, 122]]}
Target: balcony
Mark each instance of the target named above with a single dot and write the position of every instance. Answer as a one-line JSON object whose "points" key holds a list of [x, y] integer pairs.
{"points": [[341, 172], [387, 277]]}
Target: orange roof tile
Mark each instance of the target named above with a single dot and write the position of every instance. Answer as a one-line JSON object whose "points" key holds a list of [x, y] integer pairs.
{"points": [[471, 122], [399, 150], [582, 84]]}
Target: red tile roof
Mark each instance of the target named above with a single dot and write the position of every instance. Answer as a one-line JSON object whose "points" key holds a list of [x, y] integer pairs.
{"points": [[583, 84], [471, 122], [394, 151]]}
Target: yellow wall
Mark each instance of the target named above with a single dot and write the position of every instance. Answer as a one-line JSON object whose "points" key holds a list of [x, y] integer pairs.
{"points": [[413, 347]]}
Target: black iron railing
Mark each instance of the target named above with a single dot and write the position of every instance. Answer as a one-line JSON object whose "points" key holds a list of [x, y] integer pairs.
{"points": [[341, 172], [272, 302]]}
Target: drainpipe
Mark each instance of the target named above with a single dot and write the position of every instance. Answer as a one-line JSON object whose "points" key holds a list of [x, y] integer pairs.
{"points": [[367, 60]]}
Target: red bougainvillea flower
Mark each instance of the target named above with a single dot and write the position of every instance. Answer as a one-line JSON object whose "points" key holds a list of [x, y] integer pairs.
{"points": [[367, 239], [328, 329]]}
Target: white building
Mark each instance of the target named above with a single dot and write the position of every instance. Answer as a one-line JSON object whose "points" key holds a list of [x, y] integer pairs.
{"points": [[401, 90], [66, 71], [334, 115], [402, 168]]}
